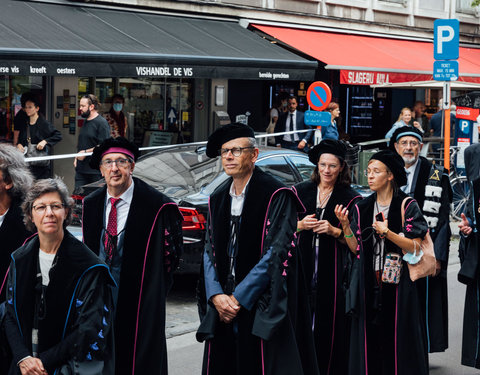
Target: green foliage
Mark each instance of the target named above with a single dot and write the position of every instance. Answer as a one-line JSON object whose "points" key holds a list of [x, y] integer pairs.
{"points": [[475, 3]]}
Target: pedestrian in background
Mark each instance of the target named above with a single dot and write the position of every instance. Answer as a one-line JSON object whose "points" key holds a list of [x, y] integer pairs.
{"points": [[430, 186], [39, 133], [388, 335], [273, 114], [252, 295], [325, 256], [58, 296], [116, 118], [420, 116], [94, 131], [404, 119], [138, 232], [292, 121], [331, 131], [21, 119]]}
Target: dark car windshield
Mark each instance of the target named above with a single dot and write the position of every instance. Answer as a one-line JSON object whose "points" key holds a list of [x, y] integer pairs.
{"points": [[179, 171]]}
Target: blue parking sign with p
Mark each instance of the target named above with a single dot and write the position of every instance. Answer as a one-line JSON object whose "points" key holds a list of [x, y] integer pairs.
{"points": [[446, 39]]}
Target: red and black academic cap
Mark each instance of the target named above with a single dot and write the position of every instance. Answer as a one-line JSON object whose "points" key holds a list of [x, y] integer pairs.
{"points": [[113, 145], [395, 163], [328, 146], [226, 133]]}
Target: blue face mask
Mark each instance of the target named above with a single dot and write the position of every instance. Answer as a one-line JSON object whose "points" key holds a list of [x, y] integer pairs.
{"points": [[117, 107]]}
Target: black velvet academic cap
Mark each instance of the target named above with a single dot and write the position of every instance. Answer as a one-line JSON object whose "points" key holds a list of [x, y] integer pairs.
{"points": [[226, 133], [395, 163], [327, 146], [113, 145], [403, 132]]}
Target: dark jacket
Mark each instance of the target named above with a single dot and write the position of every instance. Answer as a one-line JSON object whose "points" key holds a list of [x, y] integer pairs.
{"points": [[282, 123], [77, 323], [152, 247], [275, 334], [41, 130]]}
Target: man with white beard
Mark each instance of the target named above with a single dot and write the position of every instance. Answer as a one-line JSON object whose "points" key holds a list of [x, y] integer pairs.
{"points": [[430, 186]]}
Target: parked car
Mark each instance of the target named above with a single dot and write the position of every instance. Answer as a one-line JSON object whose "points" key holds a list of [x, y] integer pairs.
{"points": [[188, 176]]}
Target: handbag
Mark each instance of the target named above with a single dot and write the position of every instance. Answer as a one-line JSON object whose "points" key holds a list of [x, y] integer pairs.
{"points": [[427, 264], [270, 130], [32, 152]]}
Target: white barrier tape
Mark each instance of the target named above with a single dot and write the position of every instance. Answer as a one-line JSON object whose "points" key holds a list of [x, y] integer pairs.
{"points": [[150, 148]]}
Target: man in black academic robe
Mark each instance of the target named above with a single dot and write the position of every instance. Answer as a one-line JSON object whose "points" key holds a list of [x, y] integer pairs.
{"points": [[253, 307], [146, 253], [469, 275]]}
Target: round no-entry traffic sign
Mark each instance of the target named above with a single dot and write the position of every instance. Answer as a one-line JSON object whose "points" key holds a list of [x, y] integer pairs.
{"points": [[319, 95]]}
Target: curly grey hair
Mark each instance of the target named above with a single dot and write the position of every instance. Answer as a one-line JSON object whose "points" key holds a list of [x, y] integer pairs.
{"points": [[41, 187], [15, 171]]}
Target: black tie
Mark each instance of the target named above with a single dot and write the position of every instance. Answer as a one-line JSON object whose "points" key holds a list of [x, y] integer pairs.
{"points": [[292, 128]]}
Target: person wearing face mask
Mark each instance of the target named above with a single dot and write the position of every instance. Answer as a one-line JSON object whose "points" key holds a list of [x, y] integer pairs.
{"points": [[116, 118], [93, 132], [430, 187]]}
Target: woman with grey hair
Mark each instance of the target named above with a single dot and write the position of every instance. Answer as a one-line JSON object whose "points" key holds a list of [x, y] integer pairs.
{"points": [[15, 181], [58, 311]]}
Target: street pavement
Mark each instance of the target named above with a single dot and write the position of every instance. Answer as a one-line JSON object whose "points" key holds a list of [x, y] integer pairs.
{"points": [[185, 353]]}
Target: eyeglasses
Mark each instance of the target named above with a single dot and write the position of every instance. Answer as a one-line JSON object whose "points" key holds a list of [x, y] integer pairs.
{"points": [[236, 151], [375, 172], [41, 208], [411, 143], [324, 165], [119, 163]]}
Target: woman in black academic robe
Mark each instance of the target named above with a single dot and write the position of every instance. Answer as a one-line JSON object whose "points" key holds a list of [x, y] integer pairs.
{"points": [[387, 335], [59, 305], [325, 256]]}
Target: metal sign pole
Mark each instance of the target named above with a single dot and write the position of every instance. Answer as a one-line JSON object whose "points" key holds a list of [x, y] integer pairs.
{"points": [[446, 121]]}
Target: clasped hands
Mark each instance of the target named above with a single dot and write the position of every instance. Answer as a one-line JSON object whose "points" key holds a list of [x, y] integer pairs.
{"points": [[32, 366], [310, 222], [227, 306]]}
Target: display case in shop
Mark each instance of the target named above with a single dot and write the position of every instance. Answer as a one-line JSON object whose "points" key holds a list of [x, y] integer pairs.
{"points": [[359, 119]]}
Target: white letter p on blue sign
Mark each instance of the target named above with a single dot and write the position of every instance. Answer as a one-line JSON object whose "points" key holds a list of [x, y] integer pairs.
{"points": [[446, 39]]}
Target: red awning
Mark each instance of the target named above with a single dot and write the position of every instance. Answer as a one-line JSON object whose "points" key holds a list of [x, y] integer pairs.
{"points": [[372, 54]]}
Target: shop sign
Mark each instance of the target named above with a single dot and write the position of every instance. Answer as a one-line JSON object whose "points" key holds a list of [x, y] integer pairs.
{"points": [[353, 77], [466, 113], [161, 70]]}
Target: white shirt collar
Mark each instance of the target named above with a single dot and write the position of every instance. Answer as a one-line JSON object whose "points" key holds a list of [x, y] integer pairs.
{"points": [[126, 197], [411, 169], [238, 200]]}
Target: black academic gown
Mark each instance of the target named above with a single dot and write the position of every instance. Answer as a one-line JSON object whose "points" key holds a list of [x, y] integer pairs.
{"points": [[433, 290], [12, 235], [470, 275], [387, 334], [327, 295], [152, 246], [274, 337], [76, 331]]}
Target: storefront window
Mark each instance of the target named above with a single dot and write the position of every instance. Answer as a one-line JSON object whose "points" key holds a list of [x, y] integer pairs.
{"points": [[159, 111], [83, 86], [11, 90], [104, 89]]}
